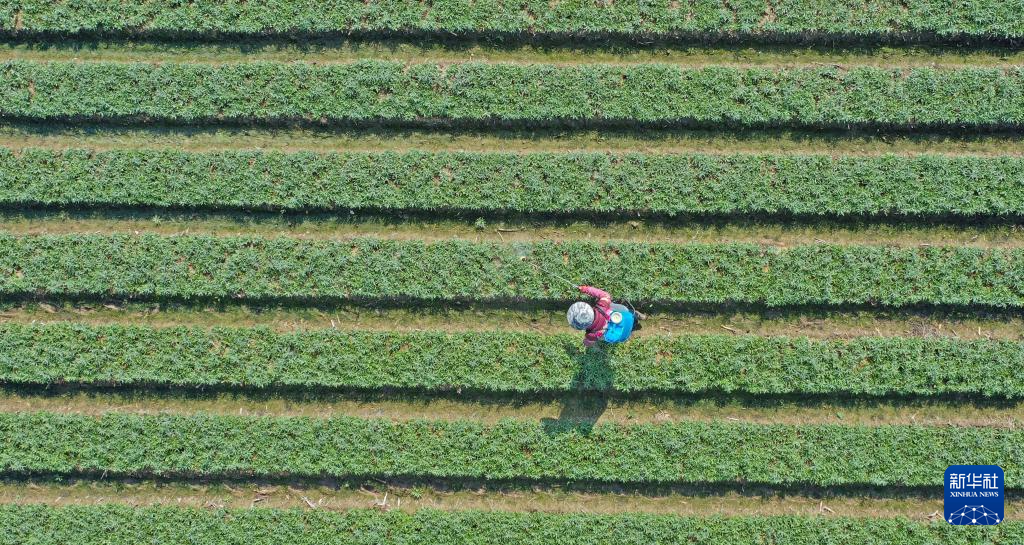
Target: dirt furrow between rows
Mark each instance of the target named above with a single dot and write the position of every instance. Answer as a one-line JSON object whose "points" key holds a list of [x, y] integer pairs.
{"points": [[385, 495], [199, 139], [327, 51], [798, 323], [346, 226], [583, 409]]}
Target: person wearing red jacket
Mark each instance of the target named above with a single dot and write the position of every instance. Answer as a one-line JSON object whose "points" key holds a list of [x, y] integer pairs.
{"points": [[605, 320]]}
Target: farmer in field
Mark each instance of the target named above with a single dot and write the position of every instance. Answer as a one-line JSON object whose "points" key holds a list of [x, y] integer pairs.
{"points": [[605, 321]]}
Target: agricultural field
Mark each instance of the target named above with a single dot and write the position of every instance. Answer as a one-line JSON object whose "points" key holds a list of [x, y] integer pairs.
{"points": [[279, 271]]}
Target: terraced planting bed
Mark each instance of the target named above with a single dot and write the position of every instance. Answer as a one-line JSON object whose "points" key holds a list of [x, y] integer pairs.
{"points": [[292, 272]]}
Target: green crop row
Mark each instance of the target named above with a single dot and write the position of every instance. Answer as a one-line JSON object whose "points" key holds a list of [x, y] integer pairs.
{"points": [[691, 452], [819, 185], [509, 362], [185, 267], [123, 525], [480, 93], [984, 18]]}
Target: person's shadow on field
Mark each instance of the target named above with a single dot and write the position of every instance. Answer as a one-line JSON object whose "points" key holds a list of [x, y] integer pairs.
{"points": [[591, 384]]}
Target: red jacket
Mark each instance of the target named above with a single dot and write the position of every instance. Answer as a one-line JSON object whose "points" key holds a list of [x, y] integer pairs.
{"points": [[602, 310]]}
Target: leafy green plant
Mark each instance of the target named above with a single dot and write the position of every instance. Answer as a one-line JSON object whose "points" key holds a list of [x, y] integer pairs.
{"points": [[526, 94], [701, 452], [546, 183], [504, 362], [123, 525], [790, 20], [253, 268]]}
